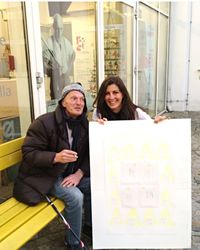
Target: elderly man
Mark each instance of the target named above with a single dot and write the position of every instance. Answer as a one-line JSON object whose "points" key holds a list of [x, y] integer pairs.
{"points": [[56, 160]]}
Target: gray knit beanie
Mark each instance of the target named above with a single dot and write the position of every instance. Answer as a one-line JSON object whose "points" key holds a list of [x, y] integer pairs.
{"points": [[77, 86]]}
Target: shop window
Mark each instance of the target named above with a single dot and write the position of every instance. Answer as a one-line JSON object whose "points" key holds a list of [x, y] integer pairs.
{"points": [[152, 57], [14, 85], [118, 41], [68, 31]]}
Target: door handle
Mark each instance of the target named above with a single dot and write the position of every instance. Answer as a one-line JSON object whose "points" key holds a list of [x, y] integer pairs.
{"points": [[39, 80]]}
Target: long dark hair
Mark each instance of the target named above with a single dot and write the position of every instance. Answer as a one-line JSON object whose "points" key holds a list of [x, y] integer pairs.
{"points": [[128, 109]]}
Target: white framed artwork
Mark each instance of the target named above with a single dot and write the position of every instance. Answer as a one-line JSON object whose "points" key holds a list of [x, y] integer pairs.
{"points": [[141, 184]]}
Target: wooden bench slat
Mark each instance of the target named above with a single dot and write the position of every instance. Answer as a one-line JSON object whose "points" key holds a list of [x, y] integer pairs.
{"points": [[22, 234], [12, 212], [11, 146], [11, 159], [7, 205], [10, 153], [19, 208], [21, 217]]}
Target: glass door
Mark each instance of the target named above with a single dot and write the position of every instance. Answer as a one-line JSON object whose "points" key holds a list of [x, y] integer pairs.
{"points": [[147, 60], [153, 22]]}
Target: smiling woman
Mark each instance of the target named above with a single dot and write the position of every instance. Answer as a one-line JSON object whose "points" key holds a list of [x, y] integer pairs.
{"points": [[113, 98], [113, 102]]}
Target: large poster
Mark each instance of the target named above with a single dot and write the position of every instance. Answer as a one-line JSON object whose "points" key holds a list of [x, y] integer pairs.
{"points": [[141, 184]]}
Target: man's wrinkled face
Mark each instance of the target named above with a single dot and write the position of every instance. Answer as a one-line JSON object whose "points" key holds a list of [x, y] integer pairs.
{"points": [[74, 103]]}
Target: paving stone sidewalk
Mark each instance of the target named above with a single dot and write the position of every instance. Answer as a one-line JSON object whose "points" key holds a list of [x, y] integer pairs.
{"points": [[51, 237]]}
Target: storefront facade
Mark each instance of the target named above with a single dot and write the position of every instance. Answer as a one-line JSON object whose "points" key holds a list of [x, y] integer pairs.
{"points": [[97, 39]]}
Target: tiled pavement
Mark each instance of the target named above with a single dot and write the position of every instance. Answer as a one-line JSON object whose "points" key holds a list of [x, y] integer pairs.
{"points": [[51, 237]]}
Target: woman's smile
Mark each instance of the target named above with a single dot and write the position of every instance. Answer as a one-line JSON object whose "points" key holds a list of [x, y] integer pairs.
{"points": [[113, 98]]}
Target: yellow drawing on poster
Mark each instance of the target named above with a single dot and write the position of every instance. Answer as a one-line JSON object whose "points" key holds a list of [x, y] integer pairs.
{"points": [[134, 183]]}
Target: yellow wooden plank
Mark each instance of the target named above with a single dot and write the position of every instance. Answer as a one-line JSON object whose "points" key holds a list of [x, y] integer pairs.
{"points": [[12, 212], [9, 160], [19, 237], [10, 153], [22, 217], [11, 146], [17, 216], [7, 205]]}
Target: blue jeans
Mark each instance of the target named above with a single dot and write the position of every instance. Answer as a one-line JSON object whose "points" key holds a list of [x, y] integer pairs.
{"points": [[74, 199]]}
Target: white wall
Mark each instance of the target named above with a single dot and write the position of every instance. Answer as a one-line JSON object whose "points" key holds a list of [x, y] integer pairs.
{"points": [[194, 86], [184, 57]]}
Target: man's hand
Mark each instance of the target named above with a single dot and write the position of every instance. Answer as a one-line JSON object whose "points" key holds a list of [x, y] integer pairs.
{"points": [[65, 156], [73, 179]]}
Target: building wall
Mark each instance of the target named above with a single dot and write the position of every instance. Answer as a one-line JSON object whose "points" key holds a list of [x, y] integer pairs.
{"points": [[184, 57], [194, 86]]}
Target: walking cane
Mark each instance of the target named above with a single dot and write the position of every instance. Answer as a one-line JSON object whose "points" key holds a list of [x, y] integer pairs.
{"points": [[65, 222], [50, 202]]}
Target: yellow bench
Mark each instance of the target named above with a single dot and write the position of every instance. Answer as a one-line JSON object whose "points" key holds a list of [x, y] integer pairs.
{"points": [[20, 222]]}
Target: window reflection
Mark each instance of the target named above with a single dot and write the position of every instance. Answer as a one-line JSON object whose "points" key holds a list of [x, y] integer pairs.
{"points": [[152, 57], [147, 59], [118, 42], [14, 86], [69, 48], [58, 56]]}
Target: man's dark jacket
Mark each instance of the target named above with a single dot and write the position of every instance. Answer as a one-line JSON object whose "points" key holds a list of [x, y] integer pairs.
{"points": [[46, 136]]}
